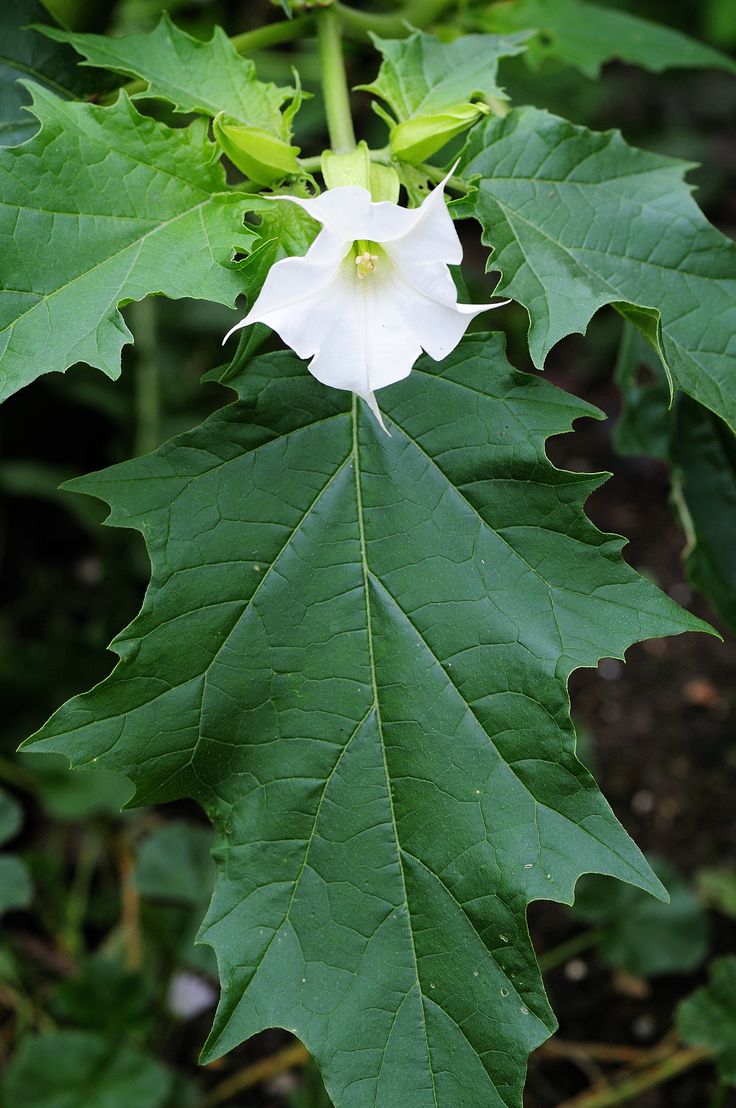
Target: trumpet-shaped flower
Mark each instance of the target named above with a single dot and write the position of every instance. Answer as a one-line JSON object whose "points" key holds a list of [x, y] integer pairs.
{"points": [[371, 293]]}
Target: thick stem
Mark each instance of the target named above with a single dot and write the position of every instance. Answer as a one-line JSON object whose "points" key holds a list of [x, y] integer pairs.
{"points": [[334, 82], [415, 13]]}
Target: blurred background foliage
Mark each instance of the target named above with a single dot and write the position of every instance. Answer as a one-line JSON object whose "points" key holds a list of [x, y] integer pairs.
{"points": [[104, 997]]}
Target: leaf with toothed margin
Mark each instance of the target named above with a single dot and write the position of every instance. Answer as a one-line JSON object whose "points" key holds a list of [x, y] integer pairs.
{"points": [[354, 653], [194, 76], [101, 207], [579, 219]]}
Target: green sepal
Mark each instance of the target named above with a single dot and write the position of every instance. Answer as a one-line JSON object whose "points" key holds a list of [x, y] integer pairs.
{"points": [[417, 139], [356, 168], [261, 156]]}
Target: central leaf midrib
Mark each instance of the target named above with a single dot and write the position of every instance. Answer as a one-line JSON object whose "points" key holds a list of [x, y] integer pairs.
{"points": [[376, 704]]}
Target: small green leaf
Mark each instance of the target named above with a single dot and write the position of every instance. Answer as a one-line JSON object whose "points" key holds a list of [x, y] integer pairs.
{"points": [[349, 642], [435, 89], [78, 1069], [578, 219], [16, 890], [105, 997], [104, 206], [587, 36], [717, 887], [703, 453], [643, 425], [194, 76], [11, 816], [81, 795], [26, 53], [642, 935], [175, 863], [708, 1017]]}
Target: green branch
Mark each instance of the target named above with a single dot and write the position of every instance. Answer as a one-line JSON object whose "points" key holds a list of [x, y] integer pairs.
{"points": [[415, 13]]}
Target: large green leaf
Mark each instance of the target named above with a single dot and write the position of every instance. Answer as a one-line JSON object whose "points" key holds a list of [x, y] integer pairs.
{"points": [[354, 653], [579, 219], [194, 76], [587, 36], [79, 1069], [101, 207], [25, 53]]}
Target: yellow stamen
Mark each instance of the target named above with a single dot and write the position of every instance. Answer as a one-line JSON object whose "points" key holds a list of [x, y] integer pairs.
{"points": [[366, 264]]}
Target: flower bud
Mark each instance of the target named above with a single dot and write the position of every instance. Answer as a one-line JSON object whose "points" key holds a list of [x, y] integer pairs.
{"points": [[260, 155], [416, 139]]}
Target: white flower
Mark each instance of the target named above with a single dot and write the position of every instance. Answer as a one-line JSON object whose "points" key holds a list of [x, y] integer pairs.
{"points": [[371, 293]]}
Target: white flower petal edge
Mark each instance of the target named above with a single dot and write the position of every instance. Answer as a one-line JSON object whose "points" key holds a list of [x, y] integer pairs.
{"points": [[371, 293]]}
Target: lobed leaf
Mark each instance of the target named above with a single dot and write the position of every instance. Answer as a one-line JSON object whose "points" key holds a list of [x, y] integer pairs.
{"points": [[587, 36], [101, 207], [421, 75], [194, 76], [354, 653], [579, 219]]}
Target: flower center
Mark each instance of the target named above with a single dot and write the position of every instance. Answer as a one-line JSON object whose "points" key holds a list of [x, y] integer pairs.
{"points": [[366, 258]]}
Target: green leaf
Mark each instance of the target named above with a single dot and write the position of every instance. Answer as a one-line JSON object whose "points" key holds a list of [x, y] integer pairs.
{"points": [[708, 1017], [701, 452], [175, 863], [421, 75], [106, 997], [26, 53], [704, 471], [76, 796], [11, 816], [78, 1069], [643, 425], [587, 36], [641, 935], [579, 219], [194, 76], [354, 654], [433, 87], [101, 207], [717, 887], [16, 890]]}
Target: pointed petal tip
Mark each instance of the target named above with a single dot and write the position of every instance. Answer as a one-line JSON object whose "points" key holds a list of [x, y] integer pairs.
{"points": [[370, 399], [243, 323]]}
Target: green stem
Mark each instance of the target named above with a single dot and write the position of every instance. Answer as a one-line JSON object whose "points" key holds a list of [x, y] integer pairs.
{"points": [[147, 386], [334, 81], [638, 1083], [570, 949], [415, 13]]}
